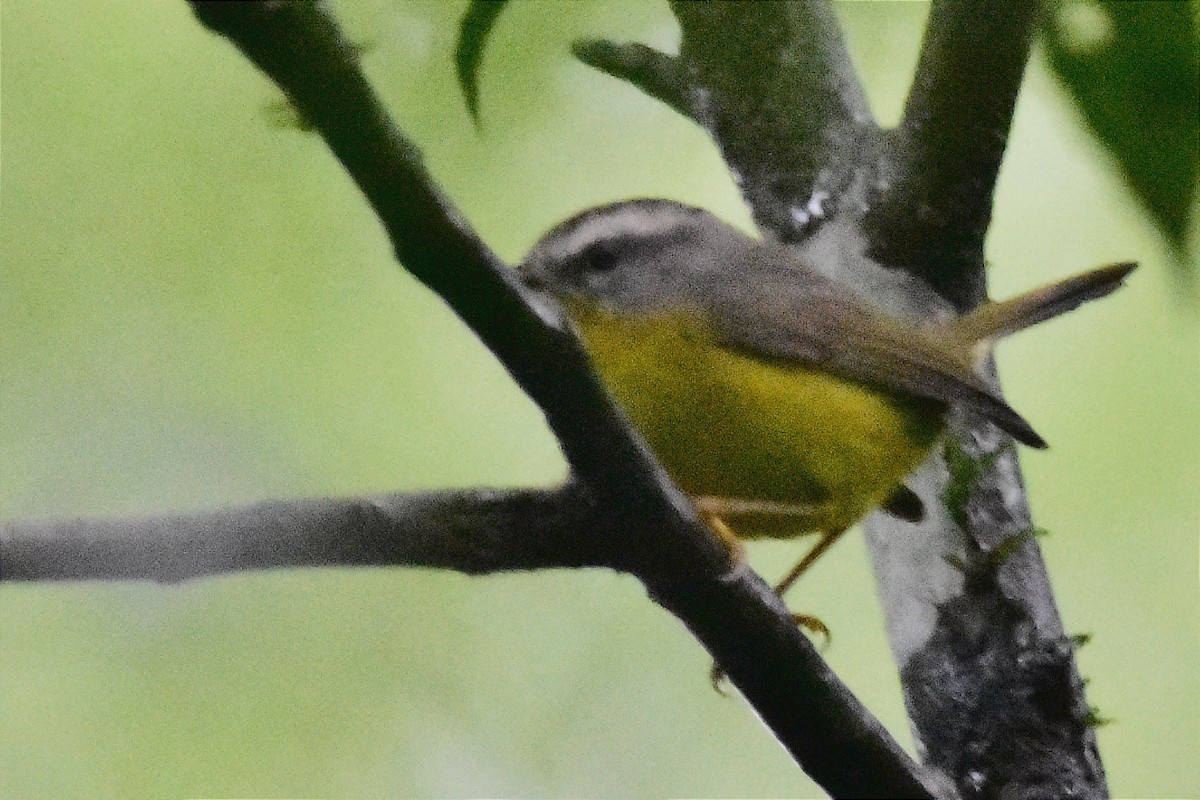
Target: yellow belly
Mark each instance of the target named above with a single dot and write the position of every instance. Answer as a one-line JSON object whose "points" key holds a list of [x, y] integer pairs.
{"points": [[730, 425]]}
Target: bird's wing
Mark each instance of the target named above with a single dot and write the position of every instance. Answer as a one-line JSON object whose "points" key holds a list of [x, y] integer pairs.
{"points": [[797, 316]]}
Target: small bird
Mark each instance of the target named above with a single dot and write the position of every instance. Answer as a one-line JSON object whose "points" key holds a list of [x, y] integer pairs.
{"points": [[778, 399]]}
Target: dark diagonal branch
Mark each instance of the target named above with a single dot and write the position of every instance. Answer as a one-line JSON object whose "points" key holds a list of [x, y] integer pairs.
{"points": [[470, 531], [655, 534], [947, 151]]}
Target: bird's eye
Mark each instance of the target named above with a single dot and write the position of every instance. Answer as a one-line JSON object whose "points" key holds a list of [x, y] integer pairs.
{"points": [[600, 257]]}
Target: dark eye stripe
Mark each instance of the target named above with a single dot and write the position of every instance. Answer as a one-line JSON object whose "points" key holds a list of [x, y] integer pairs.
{"points": [[600, 257]]}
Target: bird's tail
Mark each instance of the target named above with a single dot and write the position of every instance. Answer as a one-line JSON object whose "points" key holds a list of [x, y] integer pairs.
{"points": [[991, 321]]}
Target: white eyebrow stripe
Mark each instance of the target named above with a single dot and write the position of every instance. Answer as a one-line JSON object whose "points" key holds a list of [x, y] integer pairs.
{"points": [[636, 219]]}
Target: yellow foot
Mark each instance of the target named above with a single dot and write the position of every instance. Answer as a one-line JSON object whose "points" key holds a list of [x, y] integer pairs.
{"points": [[733, 544], [814, 625]]}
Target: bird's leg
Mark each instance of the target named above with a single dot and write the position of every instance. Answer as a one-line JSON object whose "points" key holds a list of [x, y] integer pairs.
{"points": [[738, 507], [808, 622], [717, 510], [810, 558], [711, 516], [726, 515]]}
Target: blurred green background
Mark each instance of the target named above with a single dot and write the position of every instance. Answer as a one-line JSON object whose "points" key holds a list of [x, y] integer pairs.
{"points": [[196, 310]]}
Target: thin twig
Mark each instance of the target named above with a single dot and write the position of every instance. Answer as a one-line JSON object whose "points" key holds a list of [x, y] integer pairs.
{"points": [[656, 73], [476, 532]]}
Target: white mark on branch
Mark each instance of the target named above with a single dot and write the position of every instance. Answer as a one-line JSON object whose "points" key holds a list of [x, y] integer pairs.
{"points": [[814, 209]]}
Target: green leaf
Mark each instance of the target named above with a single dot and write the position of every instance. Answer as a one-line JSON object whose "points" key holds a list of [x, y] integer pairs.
{"points": [[1132, 69], [473, 33]]}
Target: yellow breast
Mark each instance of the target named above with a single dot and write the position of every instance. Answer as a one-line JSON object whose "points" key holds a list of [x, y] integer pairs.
{"points": [[730, 425]]}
